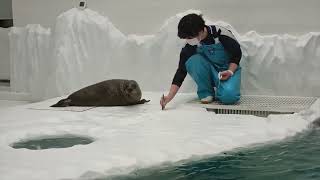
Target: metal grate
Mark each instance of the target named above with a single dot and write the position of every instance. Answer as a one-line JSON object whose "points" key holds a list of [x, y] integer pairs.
{"points": [[246, 112], [261, 105]]}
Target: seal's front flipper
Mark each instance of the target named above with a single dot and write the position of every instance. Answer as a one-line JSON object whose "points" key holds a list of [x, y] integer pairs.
{"points": [[62, 103], [142, 101]]}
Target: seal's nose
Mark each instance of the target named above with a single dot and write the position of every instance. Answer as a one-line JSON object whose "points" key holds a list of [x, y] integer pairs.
{"points": [[129, 89]]}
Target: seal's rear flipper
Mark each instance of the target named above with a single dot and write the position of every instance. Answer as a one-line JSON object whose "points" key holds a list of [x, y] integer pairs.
{"points": [[62, 103], [142, 101]]}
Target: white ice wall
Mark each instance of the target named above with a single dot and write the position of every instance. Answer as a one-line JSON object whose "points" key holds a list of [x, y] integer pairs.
{"points": [[147, 16], [85, 47], [80, 44], [30, 57]]}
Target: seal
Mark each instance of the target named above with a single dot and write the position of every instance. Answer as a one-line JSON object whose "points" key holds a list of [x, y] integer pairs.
{"points": [[114, 92]]}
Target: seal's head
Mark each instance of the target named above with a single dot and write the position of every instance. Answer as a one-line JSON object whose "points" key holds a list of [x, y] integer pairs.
{"points": [[132, 90], [62, 103]]}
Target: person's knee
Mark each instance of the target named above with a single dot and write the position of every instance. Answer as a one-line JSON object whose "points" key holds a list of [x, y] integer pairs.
{"points": [[229, 95], [195, 57], [195, 62]]}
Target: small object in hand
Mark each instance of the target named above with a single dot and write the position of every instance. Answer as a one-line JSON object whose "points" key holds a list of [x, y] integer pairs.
{"points": [[219, 75], [162, 99]]}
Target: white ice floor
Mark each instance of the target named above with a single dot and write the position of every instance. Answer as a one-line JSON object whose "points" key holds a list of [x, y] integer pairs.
{"points": [[133, 137]]}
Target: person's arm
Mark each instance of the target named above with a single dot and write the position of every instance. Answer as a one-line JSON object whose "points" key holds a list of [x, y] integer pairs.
{"points": [[173, 91], [175, 86], [179, 76], [166, 99], [233, 67], [228, 73], [232, 46]]}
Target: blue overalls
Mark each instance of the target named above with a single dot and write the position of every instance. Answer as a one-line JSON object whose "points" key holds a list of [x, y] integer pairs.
{"points": [[204, 67]]}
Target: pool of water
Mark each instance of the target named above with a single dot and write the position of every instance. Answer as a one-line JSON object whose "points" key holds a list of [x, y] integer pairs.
{"points": [[52, 142], [294, 158]]}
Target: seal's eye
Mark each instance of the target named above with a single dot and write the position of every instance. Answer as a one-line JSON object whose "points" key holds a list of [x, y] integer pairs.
{"points": [[133, 86], [125, 86], [129, 88]]}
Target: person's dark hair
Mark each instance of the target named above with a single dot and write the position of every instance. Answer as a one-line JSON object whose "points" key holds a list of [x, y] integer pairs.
{"points": [[190, 26]]}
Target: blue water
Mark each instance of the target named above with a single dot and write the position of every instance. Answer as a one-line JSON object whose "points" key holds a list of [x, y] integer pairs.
{"points": [[295, 158]]}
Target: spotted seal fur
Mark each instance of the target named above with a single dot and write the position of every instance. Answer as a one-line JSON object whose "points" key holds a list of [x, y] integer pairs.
{"points": [[114, 92]]}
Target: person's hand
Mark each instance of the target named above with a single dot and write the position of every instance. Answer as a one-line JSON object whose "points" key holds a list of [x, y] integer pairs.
{"points": [[225, 75], [164, 101]]}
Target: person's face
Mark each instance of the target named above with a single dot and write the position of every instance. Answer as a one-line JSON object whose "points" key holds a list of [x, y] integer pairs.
{"points": [[195, 40]]}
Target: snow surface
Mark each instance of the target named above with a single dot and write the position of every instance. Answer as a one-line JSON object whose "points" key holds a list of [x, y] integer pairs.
{"points": [[85, 47], [127, 138]]}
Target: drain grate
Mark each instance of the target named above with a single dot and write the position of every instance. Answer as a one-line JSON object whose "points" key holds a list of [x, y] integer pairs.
{"points": [[246, 112], [261, 105]]}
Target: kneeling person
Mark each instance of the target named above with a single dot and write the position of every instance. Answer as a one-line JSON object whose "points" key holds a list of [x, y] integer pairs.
{"points": [[211, 57]]}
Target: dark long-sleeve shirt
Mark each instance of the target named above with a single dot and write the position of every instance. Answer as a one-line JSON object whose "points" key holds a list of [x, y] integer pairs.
{"points": [[218, 33]]}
